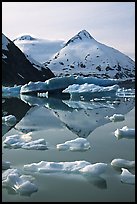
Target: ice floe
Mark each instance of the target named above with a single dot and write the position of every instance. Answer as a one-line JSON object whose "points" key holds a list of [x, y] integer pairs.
{"points": [[22, 184], [11, 91], [81, 92], [127, 177], [94, 169], [67, 167], [24, 141], [60, 83], [39, 144], [122, 163], [9, 120], [116, 117], [78, 144], [125, 132]]}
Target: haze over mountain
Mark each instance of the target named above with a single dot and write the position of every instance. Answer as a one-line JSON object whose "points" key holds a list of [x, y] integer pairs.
{"points": [[17, 69]]}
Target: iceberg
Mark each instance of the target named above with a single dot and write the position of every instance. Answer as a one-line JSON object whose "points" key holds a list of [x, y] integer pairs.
{"points": [[24, 141], [9, 120], [78, 144], [21, 184], [77, 167], [58, 84], [127, 177], [123, 163], [89, 91], [125, 132], [116, 117]]}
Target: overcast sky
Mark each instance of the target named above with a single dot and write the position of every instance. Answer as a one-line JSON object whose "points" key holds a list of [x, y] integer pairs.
{"points": [[110, 23]]}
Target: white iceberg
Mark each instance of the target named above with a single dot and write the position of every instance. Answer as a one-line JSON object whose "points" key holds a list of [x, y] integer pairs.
{"points": [[78, 167], [9, 120], [39, 144], [61, 83], [21, 184], [52, 167], [89, 91], [125, 132], [116, 117], [24, 141], [94, 169], [127, 177], [123, 163], [16, 141], [78, 144]]}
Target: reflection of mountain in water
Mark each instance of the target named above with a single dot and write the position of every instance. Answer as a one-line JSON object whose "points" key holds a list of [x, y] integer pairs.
{"points": [[79, 117], [82, 122], [13, 106]]}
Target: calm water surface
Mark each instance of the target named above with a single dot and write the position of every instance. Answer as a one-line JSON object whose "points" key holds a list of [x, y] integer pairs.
{"points": [[58, 121]]}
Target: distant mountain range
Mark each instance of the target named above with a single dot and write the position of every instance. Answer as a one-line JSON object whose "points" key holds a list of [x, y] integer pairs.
{"points": [[18, 68], [81, 55], [38, 49]]}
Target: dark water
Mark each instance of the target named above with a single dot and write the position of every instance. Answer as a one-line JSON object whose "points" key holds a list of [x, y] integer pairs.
{"points": [[58, 121]]}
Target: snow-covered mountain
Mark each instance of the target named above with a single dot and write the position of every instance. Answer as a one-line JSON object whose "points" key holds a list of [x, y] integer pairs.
{"points": [[83, 55], [38, 49], [18, 68]]}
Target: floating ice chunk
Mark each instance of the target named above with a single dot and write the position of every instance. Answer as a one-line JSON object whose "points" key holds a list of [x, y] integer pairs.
{"points": [[5, 165], [39, 144], [24, 141], [122, 163], [83, 167], [50, 167], [78, 144], [94, 169], [16, 141], [81, 92], [117, 117], [127, 177], [76, 88], [20, 183], [9, 120], [125, 132]]}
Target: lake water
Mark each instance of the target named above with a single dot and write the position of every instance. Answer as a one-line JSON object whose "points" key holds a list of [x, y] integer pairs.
{"points": [[58, 121]]}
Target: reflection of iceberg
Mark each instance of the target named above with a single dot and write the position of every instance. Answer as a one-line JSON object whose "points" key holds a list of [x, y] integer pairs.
{"points": [[52, 103], [97, 181]]}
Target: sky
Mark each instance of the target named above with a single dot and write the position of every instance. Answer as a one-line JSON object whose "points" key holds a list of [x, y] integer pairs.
{"points": [[110, 23]]}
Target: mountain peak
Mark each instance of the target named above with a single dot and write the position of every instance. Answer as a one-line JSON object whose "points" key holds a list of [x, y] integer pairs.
{"points": [[82, 35], [25, 37]]}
